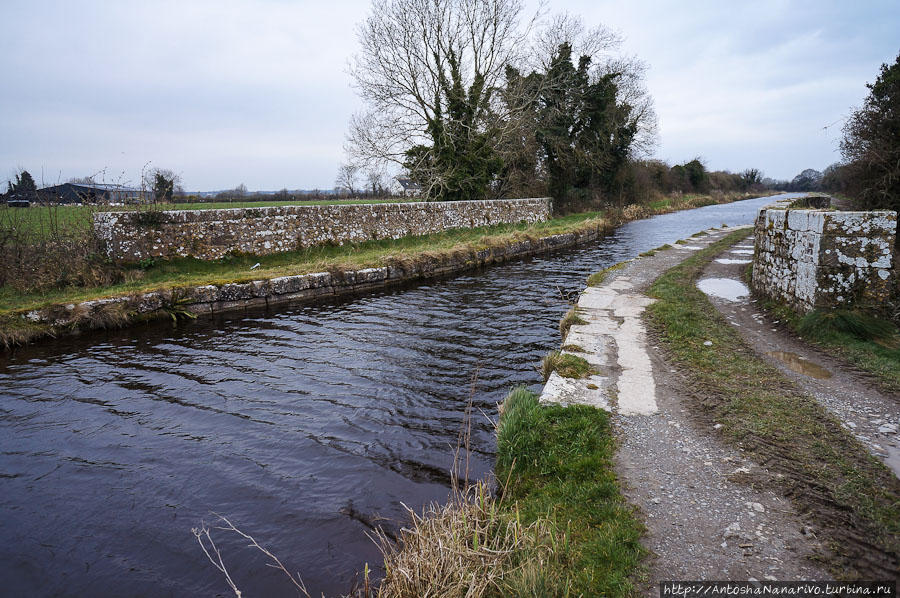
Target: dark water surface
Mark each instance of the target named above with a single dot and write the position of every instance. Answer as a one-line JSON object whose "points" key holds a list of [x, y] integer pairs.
{"points": [[295, 423]]}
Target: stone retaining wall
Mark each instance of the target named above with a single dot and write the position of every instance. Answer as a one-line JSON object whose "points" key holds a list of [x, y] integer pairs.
{"points": [[815, 259], [211, 234], [213, 299]]}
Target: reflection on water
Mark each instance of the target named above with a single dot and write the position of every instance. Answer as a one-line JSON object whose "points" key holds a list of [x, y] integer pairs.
{"points": [[728, 289], [725, 260], [299, 424], [800, 364]]}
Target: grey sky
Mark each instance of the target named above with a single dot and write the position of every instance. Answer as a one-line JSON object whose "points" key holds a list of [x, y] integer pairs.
{"points": [[228, 92]]}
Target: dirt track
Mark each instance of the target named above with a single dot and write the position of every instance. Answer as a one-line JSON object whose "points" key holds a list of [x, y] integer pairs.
{"points": [[716, 509], [706, 518], [871, 415]]}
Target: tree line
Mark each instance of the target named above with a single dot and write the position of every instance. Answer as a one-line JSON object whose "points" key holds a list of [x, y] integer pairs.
{"points": [[476, 99], [869, 172], [870, 147]]}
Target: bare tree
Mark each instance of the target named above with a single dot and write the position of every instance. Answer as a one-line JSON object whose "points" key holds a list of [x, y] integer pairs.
{"points": [[440, 102], [375, 182], [237, 193], [752, 178], [603, 46], [346, 177], [567, 28], [161, 183], [429, 71]]}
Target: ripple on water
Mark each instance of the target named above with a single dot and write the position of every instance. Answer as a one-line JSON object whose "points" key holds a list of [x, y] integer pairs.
{"points": [[113, 446]]}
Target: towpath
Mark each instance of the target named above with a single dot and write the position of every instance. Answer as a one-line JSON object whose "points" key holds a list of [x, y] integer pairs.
{"points": [[705, 518], [870, 414]]}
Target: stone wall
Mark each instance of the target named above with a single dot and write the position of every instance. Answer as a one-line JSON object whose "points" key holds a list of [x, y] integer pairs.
{"points": [[211, 234], [213, 299], [815, 259]]}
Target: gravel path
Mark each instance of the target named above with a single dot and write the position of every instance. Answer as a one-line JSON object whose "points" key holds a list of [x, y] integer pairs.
{"points": [[871, 415], [705, 519]]}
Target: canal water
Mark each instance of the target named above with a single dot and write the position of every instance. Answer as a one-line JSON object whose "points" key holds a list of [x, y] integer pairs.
{"points": [[302, 425]]}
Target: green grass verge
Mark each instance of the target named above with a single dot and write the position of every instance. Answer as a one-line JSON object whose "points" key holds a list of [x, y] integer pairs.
{"points": [[573, 348], [851, 496], [597, 278], [556, 463], [566, 365], [570, 318], [693, 200], [193, 272]]}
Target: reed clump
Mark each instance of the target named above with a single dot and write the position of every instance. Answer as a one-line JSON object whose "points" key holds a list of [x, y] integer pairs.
{"points": [[566, 365], [472, 546]]}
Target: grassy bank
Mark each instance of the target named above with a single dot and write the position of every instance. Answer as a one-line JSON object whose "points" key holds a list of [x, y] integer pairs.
{"points": [[96, 279], [556, 463], [185, 272], [558, 528], [153, 275], [851, 497]]}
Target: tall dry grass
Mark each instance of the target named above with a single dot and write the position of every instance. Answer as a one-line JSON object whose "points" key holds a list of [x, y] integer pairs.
{"points": [[471, 547], [50, 246]]}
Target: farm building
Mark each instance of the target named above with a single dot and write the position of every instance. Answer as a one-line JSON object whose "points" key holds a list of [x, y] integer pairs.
{"points": [[91, 193], [406, 187]]}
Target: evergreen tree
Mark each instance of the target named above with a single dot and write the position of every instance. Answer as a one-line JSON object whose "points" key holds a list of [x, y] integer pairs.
{"points": [[163, 187], [871, 143], [24, 185], [697, 175], [583, 135]]}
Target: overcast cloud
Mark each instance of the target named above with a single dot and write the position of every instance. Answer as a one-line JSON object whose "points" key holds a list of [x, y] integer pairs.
{"points": [[229, 92]]}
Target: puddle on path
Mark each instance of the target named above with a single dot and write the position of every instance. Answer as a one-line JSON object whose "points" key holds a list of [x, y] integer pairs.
{"points": [[725, 260], [801, 365], [892, 459], [724, 288]]}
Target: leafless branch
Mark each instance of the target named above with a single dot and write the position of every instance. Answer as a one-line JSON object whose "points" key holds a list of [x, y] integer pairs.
{"points": [[204, 532]]}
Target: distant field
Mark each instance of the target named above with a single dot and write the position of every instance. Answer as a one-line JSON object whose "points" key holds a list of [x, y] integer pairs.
{"points": [[42, 221]]}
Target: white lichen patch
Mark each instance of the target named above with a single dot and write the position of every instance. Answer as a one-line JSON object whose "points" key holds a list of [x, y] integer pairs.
{"points": [[818, 258]]}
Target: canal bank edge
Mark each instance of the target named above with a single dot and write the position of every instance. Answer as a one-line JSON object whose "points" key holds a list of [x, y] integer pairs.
{"points": [[602, 310], [557, 462], [189, 302], [62, 319]]}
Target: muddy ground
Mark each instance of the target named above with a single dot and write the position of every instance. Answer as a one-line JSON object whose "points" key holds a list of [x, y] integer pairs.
{"points": [[712, 511], [870, 414]]}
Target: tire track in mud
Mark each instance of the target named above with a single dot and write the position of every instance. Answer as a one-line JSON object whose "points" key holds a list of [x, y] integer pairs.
{"points": [[860, 547]]}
